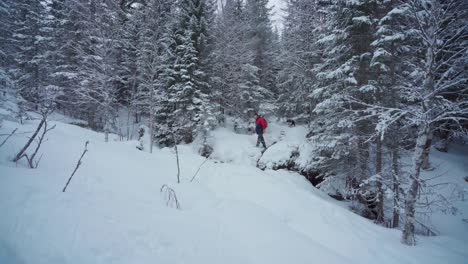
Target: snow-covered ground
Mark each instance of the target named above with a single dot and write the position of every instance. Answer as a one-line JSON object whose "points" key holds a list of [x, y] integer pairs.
{"points": [[113, 211]]}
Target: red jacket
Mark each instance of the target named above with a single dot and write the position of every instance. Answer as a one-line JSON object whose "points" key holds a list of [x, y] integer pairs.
{"points": [[260, 125]]}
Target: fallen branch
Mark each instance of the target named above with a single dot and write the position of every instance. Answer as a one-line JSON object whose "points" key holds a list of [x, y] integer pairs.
{"points": [[195, 175], [77, 166], [171, 197], [11, 134]]}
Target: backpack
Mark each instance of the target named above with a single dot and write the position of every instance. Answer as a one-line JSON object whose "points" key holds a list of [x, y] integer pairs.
{"points": [[264, 122]]}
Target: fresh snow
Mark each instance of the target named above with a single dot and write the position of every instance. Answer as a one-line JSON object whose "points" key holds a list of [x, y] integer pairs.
{"points": [[362, 20], [233, 212]]}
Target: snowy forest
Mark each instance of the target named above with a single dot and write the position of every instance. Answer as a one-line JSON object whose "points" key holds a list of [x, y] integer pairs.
{"points": [[379, 86]]}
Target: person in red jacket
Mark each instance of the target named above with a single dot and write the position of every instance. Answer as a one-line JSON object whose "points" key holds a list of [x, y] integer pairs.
{"points": [[260, 126]]}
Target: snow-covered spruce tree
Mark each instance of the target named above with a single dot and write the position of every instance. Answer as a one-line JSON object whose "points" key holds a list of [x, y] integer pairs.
{"points": [[381, 88], [391, 61], [6, 49], [36, 55], [63, 60], [188, 89], [97, 93], [342, 144], [152, 60], [25, 32], [231, 56], [260, 39], [68, 34], [126, 67], [136, 23], [243, 55], [6, 10], [303, 26]]}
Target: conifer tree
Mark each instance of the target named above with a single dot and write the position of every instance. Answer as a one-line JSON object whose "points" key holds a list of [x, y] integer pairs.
{"points": [[188, 86]]}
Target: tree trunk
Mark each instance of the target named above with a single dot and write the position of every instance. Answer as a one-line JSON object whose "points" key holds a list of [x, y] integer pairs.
{"points": [[396, 186], [427, 148], [363, 159], [106, 132], [39, 142], [129, 114], [380, 196], [151, 132], [444, 138], [408, 237]]}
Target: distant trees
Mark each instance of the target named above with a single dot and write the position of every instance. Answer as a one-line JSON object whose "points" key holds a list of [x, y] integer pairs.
{"points": [[300, 54], [178, 65], [244, 58]]}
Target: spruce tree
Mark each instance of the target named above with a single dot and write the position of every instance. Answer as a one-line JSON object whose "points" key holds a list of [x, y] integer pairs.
{"points": [[299, 56], [188, 90], [260, 39]]}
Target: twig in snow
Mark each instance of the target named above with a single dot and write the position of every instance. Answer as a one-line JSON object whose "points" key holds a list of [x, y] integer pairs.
{"points": [[195, 175], [77, 166], [171, 197], [11, 134]]}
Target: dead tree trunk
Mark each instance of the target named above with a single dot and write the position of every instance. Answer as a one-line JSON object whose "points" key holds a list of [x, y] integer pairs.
{"points": [[427, 148], [177, 157], [129, 114], [396, 186], [106, 132], [33, 165], [151, 132], [408, 237], [380, 196], [31, 139], [152, 117]]}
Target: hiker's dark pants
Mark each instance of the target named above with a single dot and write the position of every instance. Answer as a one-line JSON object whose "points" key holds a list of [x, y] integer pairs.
{"points": [[261, 139]]}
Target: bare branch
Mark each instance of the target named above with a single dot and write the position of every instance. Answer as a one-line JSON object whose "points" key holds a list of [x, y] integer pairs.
{"points": [[77, 166], [195, 175], [11, 134]]}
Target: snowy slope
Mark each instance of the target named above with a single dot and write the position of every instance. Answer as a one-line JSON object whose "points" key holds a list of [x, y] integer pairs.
{"points": [[450, 170], [113, 211]]}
